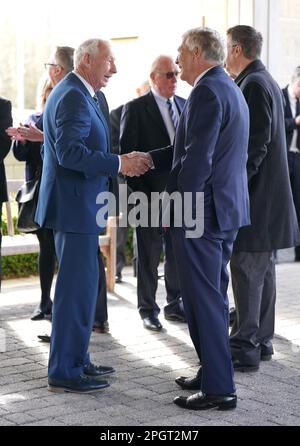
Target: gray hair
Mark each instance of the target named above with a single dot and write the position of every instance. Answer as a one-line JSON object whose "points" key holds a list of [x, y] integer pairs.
{"points": [[64, 57], [159, 60], [248, 38], [296, 74], [208, 40], [90, 47]]}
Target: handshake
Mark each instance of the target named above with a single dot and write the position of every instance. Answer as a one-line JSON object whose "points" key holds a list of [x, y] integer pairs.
{"points": [[135, 164]]}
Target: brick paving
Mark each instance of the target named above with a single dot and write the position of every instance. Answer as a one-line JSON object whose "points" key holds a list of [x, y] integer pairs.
{"points": [[143, 388]]}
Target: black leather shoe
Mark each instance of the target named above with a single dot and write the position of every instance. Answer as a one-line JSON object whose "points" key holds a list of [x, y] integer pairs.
{"points": [[44, 338], [193, 383], [176, 317], [42, 312], [202, 401], [266, 352], [152, 323], [119, 278], [82, 384], [101, 327], [266, 357], [94, 370], [244, 368]]}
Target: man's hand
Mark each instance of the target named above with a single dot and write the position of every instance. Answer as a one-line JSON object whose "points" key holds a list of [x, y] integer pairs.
{"points": [[135, 164], [297, 120]]}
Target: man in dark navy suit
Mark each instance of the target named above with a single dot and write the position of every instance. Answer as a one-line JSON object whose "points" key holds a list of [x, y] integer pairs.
{"points": [[210, 155], [76, 167], [292, 129], [147, 123], [5, 143]]}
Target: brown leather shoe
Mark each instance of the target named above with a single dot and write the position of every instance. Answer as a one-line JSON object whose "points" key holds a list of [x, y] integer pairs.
{"points": [[101, 327]]}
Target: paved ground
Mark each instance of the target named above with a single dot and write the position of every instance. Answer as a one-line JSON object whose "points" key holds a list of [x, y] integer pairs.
{"points": [[143, 388]]}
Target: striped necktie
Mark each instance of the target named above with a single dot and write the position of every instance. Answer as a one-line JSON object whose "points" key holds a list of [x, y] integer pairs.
{"points": [[96, 100], [172, 113]]}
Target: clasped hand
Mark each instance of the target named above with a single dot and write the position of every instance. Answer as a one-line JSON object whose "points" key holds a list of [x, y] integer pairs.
{"points": [[23, 133], [135, 164]]}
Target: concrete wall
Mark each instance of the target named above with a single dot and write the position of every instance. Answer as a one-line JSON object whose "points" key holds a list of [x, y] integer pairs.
{"points": [[289, 56]]}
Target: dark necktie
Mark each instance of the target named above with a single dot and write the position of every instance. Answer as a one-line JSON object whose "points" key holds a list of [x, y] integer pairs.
{"points": [[298, 127], [172, 113], [103, 107], [96, 100]]}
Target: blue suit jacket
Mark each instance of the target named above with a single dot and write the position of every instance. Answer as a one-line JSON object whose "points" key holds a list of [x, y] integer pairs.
{"points": [[76, 162], [210, 151]]}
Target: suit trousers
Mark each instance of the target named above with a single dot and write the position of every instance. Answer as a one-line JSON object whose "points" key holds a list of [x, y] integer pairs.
{"points": [[149, 247], [254, 290], [74, 303], [202, 266], [294, 169], [101, 304]]}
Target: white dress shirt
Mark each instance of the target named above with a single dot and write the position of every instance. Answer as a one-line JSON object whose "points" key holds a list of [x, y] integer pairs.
{"points": [[164, 111]]}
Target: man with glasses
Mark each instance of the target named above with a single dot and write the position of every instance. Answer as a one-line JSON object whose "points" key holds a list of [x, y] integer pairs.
{"points": [[148, 123], [60, 64], [272, 213]]}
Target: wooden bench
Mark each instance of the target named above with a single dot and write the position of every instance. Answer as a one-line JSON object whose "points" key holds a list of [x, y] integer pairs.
{"points": [[13, 244]]}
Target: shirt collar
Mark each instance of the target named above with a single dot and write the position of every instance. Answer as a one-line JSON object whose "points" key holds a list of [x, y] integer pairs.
{"points": [[86, 84], [291, 93], [202, 75], [160, 98]]}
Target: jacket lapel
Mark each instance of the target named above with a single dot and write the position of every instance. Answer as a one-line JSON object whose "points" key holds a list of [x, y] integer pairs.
{"points": [[287, 102], [99, 113], [82, 87], [154, 112]]}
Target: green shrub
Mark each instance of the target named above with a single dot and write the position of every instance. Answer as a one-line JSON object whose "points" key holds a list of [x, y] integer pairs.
{"points": [[22, 265]]}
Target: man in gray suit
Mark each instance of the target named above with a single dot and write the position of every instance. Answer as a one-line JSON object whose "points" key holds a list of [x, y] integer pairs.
{"points": [[272, 212]]}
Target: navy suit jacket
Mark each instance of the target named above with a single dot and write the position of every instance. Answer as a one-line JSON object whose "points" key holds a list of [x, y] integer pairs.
{"points": [[76, 162], [210, 151]]}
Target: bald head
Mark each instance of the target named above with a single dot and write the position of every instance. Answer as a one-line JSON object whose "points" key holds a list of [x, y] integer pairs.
{"points": [[163, 76]]}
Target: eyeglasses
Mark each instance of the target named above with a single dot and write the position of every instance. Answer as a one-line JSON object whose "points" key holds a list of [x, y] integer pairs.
{"points": [[46, 65], [169, 74]]}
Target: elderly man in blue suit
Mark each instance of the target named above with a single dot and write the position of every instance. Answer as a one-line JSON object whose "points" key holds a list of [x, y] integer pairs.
{"points": [[210, 156], [76, 168]]}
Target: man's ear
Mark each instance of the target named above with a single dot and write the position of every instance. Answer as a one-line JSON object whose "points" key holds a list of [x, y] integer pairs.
{"points": [[197, 52], [152, 77], [58, 70], [86, 59], [237, 50]]}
